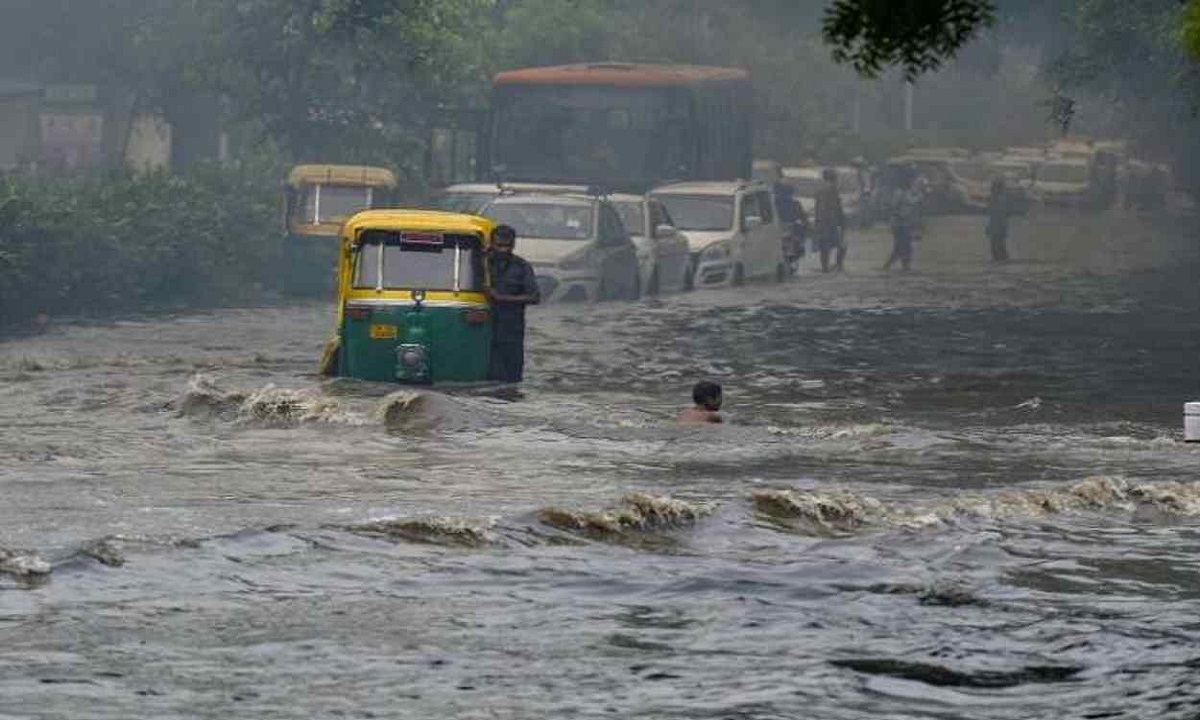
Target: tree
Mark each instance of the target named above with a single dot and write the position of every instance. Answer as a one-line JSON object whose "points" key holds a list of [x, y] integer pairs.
{"points": [[915, 35], [1191, 28]]}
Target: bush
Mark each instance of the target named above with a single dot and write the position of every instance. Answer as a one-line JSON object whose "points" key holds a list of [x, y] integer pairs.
{"points": [[119, 242]]}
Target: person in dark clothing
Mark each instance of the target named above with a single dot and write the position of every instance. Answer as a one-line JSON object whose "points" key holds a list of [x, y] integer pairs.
{"points": [[829, 220], [999, 208], [905, 218], [791, 217], [512, 287]]}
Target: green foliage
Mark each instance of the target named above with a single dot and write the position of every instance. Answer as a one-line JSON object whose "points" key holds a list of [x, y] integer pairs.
{"points": [[1190, 31], [1128, 58], [117, 242], [916, 35]]}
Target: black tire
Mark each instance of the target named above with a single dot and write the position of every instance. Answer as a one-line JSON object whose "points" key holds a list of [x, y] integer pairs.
{"points": [[739, 275], [689, 278]]}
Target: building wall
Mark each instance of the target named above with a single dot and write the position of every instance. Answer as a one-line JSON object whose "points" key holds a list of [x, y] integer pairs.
{"points": [[20, 135], [73, 140]]}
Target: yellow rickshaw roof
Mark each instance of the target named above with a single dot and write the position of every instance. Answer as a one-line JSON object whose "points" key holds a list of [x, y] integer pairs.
{"points": [[342, 174], [451, 222]]}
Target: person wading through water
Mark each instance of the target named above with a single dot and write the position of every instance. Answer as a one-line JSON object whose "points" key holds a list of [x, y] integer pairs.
{"points": [[905, 218], [829, 220], [513, 286], [999, 208], [706, 397]]}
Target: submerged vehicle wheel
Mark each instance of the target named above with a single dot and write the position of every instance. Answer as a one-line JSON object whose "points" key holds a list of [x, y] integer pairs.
{"points": [[689, 276], [739, 275], [635, 287], [652, 286], [781, 272]]}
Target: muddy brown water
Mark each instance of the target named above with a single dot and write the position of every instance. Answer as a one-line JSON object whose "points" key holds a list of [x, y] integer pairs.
{"points": [[956, 493]]}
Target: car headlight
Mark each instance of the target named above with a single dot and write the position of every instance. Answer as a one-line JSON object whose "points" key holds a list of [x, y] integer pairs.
{"points": [[716, 251]]}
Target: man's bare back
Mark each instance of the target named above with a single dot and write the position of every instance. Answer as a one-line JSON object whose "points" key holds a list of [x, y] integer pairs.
{"points": [[699, 415]]}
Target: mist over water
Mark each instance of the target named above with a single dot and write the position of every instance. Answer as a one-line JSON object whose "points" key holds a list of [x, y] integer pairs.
{"points": [[960, 492]]}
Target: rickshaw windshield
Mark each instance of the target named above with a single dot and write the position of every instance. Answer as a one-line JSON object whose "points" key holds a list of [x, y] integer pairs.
{"points": [[394, 260], [321, 203]]}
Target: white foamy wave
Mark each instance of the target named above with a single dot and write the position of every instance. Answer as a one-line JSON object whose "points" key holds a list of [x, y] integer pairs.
{"points": [[23, 566], [636, 513], [268, 405], [437, 530], [843, 511]]}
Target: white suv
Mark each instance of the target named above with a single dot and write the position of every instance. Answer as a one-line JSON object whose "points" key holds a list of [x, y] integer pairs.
{"points": [[732, 227]]}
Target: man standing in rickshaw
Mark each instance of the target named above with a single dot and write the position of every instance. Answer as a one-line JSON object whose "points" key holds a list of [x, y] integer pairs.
{"points": [[513, 286]]}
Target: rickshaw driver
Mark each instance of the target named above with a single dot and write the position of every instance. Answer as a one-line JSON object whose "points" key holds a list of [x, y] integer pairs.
{"points": [[513, 286]]}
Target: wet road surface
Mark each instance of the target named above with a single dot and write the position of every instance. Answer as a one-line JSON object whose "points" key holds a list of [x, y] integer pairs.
{"points": [[955, 493]]}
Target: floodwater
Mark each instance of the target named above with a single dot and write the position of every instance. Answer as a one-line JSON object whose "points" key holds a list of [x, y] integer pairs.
{"points": [[956, 493]]}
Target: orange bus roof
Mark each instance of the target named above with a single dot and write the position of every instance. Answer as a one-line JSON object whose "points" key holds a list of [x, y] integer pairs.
{"points": [[620, 74]]}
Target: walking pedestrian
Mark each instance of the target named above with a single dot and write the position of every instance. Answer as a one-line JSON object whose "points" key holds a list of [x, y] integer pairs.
{"points": [[829, 220], [999, 209], [905, 219]]}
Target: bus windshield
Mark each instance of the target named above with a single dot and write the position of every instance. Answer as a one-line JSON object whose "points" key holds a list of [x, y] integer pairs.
{"points": [[589, 134], [699, 212], [395, 260]]}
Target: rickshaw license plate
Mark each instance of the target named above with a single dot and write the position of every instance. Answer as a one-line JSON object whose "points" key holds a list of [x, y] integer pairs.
{"points": [[383, 332]]}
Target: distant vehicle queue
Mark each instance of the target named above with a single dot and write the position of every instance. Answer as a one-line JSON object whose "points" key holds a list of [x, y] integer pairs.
{"points": [[622, 180], [625, 179]]}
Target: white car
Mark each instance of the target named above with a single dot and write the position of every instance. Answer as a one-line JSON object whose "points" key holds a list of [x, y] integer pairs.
{"points": [[664, 258], [577, 245], [473, 197], [732, 228]]}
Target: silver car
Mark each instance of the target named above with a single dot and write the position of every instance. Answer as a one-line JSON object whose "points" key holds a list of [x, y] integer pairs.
{"points": [[663, 255], [576, 243]]}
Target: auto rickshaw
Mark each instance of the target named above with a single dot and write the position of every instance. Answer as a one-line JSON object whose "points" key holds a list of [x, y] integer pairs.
{"points": [[317, 199], [412, 303]]}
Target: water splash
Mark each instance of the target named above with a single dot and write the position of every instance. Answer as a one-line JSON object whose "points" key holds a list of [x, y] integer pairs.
{"points": [[268, 405], [27, 567], [637, 513], [204, 399], [438, 530], [846, 512]]}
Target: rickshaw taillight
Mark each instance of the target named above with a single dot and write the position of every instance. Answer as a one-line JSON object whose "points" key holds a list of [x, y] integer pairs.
{"points": [[358, 313], [476, 316]]}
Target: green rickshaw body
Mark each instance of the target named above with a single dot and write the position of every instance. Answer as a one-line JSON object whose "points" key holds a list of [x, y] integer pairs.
{"points": [[411, 302], [318, 199]]}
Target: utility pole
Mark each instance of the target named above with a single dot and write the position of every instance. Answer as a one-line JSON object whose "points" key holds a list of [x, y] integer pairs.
{"points": [[908, 107]]}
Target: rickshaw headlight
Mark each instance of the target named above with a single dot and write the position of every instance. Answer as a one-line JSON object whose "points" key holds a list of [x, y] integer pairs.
{"points": [[412, 362]]}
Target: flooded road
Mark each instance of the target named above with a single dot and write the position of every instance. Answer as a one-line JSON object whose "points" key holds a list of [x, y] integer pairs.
{"points": [[956, 493]]}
